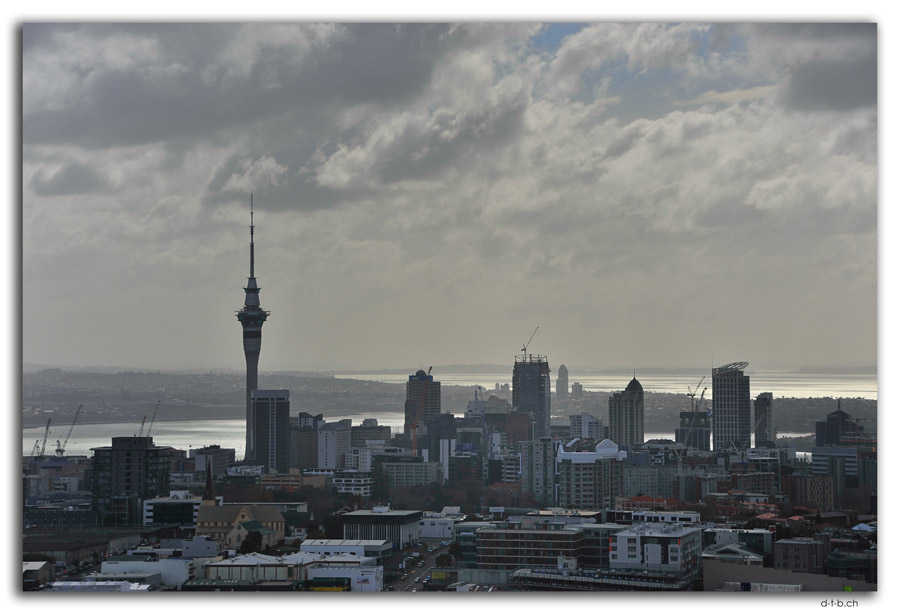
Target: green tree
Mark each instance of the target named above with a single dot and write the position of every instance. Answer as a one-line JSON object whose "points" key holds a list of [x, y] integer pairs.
{"points": [[251, 543]]}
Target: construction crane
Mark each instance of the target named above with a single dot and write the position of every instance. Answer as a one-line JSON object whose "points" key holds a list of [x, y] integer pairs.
{"points": [[152, 419], [44, 442], [693, 393], [525, 345], [419, 410], [141, 430], [61, 447]]}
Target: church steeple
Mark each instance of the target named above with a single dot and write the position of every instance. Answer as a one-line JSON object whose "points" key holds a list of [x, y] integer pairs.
{"points": [[209, 493]]}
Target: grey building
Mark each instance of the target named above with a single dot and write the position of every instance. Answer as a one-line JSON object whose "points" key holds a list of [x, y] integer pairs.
{"points": [[124, 474], [731, 407], [531, 391], [272, 429], [626, 415], [562, 382], [423, 401], [539, 470], [764, 429], [693, 429]]}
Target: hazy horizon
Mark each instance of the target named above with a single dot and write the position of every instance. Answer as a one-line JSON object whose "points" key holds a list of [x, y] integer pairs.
{"points": [[647, 194]]}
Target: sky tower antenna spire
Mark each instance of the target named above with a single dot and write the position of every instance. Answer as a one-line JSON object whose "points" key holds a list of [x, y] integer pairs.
{"points": [[251, 236]]}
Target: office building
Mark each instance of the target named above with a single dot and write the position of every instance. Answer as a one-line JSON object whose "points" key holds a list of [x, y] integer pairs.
{"points": [[125, 474], [590, 479], [531, 391], [671, 548], [764, 429], [626, 415], [577, 390], [539, 470], [693, 430], [217, 457], [334, 444], [562, 382], [369, 431], [586, 426], [400, 527], [838, 427], [272, 429], [527, 541], [423, 402], [252, 317], [731, 407]]}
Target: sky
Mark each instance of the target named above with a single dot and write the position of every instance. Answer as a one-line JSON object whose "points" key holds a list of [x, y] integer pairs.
{"points": [[648, 194]]}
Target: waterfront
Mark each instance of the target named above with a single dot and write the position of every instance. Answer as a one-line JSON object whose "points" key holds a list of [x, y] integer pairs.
{"points": [[780, 384], [189, 434]]}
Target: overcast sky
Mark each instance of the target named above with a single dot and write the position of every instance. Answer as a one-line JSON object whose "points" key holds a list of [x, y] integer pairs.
{"points": [[647, 194]]}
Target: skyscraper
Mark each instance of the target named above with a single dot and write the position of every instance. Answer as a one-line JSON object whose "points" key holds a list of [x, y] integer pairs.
{"points": [[531, 391], [539, 469], [251, 317], [626, 415], [731, 407], [126, 473], [762, 418], [423, 401], [272, 429], [562, 382], [693, 429]]}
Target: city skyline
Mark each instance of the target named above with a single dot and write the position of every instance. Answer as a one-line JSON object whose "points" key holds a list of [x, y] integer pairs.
{"points": [[634, 189]]}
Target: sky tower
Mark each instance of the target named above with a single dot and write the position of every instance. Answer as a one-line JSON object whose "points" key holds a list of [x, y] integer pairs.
{"points": [[251, 317]]}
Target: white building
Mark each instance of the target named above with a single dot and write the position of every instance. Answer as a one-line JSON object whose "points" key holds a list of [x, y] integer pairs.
{"points": [[659, 516], [657, 547], [363, 578], [172, 571], [100, 587], [353, 482], [435, 525], [334, 444], [371, 550]]}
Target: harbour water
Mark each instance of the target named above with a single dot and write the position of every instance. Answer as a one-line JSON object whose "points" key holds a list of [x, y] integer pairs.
{"points": [[198, 433], [780, 384]]}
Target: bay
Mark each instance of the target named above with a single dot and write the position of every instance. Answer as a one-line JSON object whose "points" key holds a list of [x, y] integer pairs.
{"points": [[780, 384], [190, 434]]}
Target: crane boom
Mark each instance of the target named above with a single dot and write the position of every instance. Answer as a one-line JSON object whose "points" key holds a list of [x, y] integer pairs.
{"points": [[61, 447], [46, 434], [141, 431], [152, 419], [525, 345]]}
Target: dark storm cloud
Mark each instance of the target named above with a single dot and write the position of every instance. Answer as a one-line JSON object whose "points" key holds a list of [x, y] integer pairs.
{"points": [[832, 85], [70, 179], [135, 104]]}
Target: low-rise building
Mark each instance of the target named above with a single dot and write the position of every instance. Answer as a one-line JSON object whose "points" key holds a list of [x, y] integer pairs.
{"points": [[672, 548], [527, 542], [376, 550], [400, 527], [802, 554]]}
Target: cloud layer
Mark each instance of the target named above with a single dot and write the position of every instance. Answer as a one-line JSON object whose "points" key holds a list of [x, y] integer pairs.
{"points": [[646, 193]]}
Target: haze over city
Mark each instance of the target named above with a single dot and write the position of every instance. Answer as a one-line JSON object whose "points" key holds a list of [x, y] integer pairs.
{"points": [[647, 194]]}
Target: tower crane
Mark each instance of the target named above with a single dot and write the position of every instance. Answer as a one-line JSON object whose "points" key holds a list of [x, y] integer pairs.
{"points": [[141, 430], [44, 443], [525, 345], [61, 447], [152, 419], [693, 393]]}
